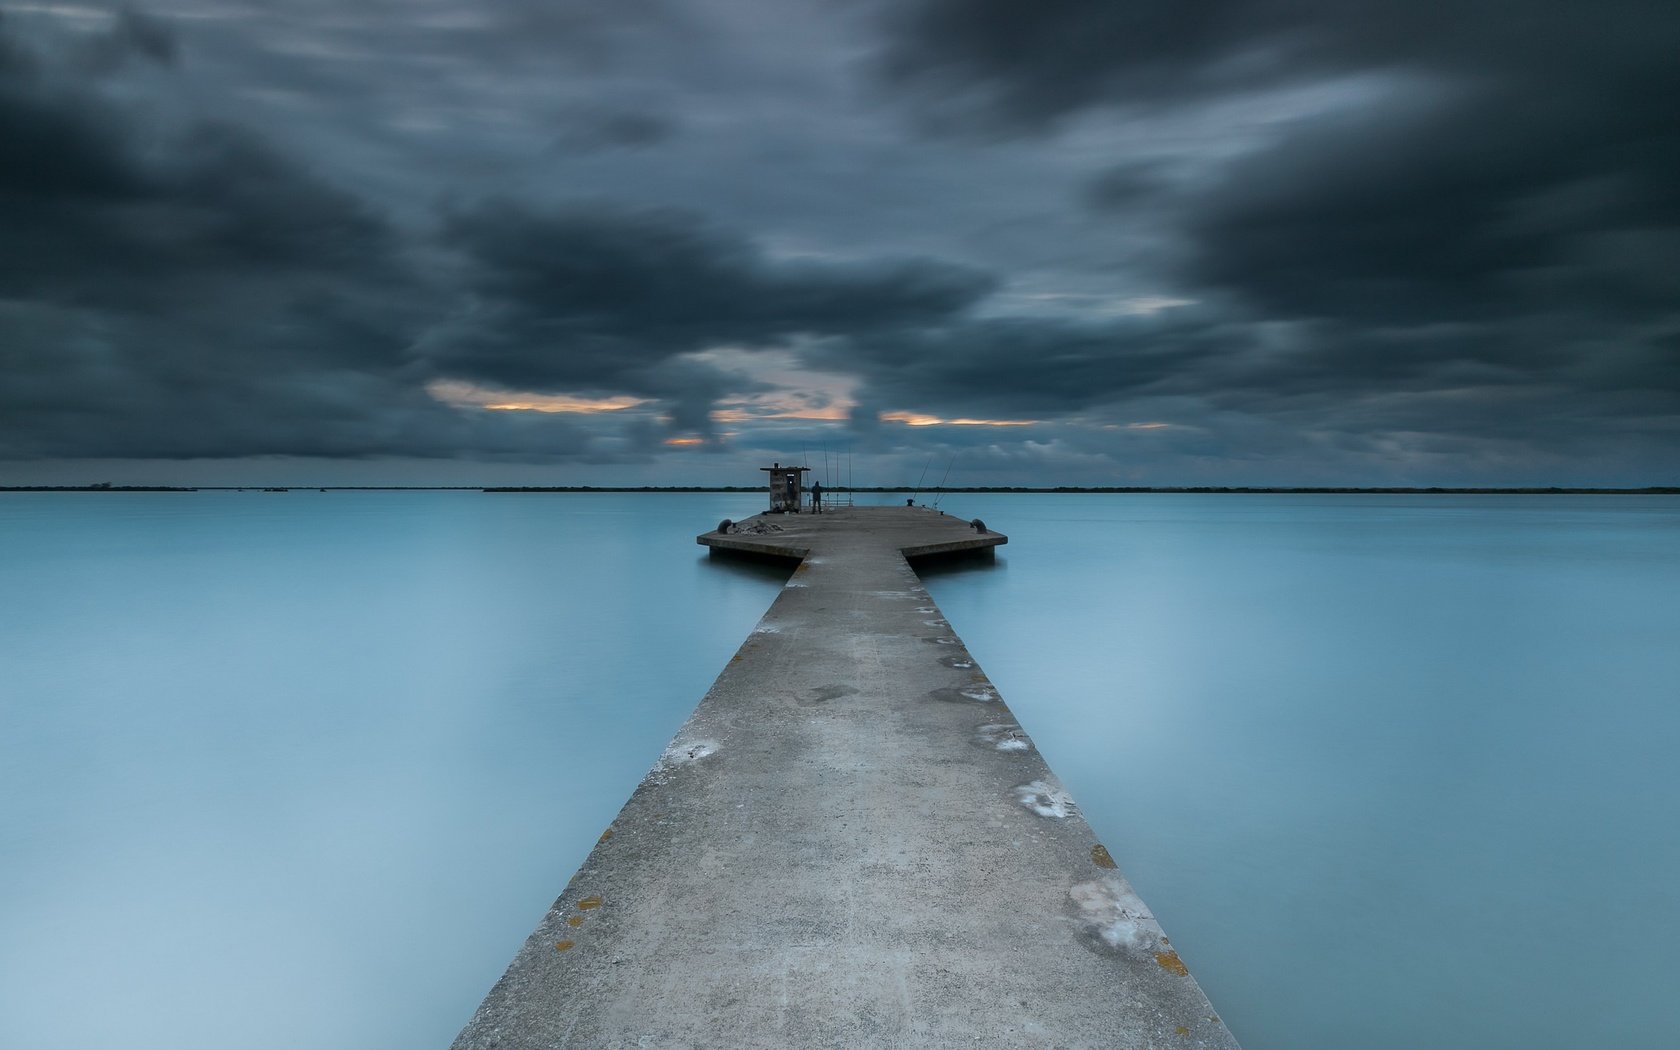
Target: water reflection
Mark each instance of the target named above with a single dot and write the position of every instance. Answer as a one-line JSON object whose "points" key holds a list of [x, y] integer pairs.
{"points": [[749, 565], [959, 564]]}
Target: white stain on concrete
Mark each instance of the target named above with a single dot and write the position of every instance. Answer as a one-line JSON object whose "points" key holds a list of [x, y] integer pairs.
{"points": [[1113, 912], [767, 628], [685, 751], [1005, 737], [1047, 800], [936, 623], [984, 694]]}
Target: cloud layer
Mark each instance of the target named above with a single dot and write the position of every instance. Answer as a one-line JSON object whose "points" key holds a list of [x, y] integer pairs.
{"points": [[1255, 242]]}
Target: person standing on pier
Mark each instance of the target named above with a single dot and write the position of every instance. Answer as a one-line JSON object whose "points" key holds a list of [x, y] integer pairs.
{"points": [[816, 497]]}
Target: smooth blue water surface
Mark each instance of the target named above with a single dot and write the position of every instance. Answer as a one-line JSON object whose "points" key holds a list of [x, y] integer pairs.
{"points": [[303, 769]]}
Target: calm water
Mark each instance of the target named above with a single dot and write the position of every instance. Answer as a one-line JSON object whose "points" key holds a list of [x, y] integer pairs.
{"points": [[302, 770]]}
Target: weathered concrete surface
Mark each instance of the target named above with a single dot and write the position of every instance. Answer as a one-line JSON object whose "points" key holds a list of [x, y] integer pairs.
{"points": [[850, 843]]}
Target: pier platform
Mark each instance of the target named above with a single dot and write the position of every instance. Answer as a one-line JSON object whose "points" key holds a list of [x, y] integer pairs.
{"points": [[850, 843]]}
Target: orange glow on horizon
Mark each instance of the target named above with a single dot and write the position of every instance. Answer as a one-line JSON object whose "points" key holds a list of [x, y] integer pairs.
{"points": [[584, 406], [830, 413], [685, 442], [918, 419], [469, 395]]}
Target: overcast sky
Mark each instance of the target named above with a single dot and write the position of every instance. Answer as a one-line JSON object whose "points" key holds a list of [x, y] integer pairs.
{"points": [[661, 241]]}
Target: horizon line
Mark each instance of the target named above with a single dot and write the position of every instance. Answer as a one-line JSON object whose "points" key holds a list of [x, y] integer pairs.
{"points": [[1025, 489]]}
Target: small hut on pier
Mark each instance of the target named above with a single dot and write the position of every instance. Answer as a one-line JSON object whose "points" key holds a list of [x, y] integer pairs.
{"points": [[787, 486]]}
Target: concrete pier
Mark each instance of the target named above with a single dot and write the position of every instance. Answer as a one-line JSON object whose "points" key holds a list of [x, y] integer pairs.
{"points": [[851, 842]]}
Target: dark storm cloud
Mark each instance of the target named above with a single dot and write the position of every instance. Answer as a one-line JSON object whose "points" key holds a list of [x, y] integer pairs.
{"points": [[191, 292], [1013, 367], [1370, 233], [1008, 62], [1521, 152], [1131, 185], [1475, 223], [91, 221], [603, 298], [133, 34], [1205, 383], [105, 211], [587, 130], [1476, 241], [593, 34], [594, 294], [1471, 208]]}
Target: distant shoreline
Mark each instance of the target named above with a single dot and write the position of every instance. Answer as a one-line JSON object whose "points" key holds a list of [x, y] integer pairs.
{"points": [[1654, 490]]}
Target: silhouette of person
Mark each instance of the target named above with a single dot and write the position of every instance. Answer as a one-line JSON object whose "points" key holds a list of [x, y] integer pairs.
{"points": [[816, 497]]}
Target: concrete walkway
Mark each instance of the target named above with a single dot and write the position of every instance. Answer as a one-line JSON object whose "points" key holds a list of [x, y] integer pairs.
{"points": [[851, 842]]}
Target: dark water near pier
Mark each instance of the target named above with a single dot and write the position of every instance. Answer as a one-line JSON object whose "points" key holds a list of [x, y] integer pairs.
{"points": [[303, 769]]}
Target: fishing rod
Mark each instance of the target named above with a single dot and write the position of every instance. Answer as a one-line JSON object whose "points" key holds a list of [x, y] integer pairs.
{"points": [[921, 479], [941, 489]]}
